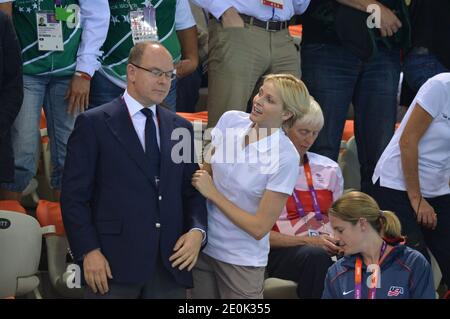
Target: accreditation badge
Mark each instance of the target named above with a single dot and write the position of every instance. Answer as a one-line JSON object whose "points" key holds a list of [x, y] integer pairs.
{"points": [[277, 4], [49, 32], [143, 25]]}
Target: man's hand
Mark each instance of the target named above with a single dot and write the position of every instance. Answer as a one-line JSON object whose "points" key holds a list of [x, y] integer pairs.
{"points": [[390, 24], [231, 18], [97, 271], [186, 250], [78, 95], [203, 182], [185, 67], [326, 242]]}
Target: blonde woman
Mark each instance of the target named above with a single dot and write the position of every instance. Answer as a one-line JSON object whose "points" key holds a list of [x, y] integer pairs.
{"points": [[375, 264], [301, 242], [253, 171]]}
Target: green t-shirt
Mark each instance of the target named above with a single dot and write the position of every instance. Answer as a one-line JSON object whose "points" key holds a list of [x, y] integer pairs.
{"points": [[119, 40], [35, 62]]}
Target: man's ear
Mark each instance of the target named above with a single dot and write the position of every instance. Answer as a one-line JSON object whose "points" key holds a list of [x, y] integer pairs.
{"points": [[131, 73]]}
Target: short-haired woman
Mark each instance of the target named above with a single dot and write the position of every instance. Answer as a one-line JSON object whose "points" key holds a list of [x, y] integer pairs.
{"points": [[253, 171], [301, 243]]}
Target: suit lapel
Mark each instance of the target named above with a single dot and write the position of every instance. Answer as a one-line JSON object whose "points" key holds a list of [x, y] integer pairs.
{"points": [[166, 126], [119, 122]]}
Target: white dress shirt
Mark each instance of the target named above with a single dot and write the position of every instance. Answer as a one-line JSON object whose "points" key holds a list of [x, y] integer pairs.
{"points": [[255, 8], [139, 119], [94, 19]]}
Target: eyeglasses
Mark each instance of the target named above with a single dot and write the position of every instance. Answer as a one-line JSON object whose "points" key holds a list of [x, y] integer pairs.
{"points": [[170, 75]]}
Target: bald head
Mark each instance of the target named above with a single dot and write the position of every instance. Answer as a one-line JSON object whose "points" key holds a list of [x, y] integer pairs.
{"points": [[147, 48], [149, 71]]}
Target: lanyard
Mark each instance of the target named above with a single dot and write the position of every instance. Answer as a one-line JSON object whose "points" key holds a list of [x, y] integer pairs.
{"points": [[358, 276], [312, 191]]}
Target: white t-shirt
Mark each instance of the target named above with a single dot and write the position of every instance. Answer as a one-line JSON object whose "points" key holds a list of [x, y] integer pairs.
{"points": [[242, 176], [434, 146]]}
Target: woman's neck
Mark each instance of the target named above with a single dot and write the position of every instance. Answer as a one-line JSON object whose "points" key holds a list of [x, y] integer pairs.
{"points": [[261, 132], [371, 253], [302, 156]]}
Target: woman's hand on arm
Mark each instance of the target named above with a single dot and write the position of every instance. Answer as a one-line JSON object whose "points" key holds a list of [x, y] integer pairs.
{"points": [[257, 225], [415, 128]]}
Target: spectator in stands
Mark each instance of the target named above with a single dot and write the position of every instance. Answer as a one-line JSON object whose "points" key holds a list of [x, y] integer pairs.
{"points": [[430, 53], [247, 39], [176, 31], [413, 174], [188, 87], [11, 94], [129, 208], [371, 240], [296, 255], [57, 80], [6, 6], [254, 167], [345, 60]]}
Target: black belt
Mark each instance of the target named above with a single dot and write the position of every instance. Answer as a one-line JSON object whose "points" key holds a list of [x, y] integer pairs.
{"points": [[266, 25]]}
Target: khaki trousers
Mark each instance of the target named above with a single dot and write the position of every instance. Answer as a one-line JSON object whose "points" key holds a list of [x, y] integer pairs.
{"points": [[238, 58], [214, 279]]}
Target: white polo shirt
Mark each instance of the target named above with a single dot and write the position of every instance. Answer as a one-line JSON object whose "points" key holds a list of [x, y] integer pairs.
{"points": [[434, 146], [242, 175]]}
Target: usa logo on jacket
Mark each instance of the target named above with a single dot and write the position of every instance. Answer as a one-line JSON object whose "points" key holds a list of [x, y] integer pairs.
{"points": [[394, 291]]}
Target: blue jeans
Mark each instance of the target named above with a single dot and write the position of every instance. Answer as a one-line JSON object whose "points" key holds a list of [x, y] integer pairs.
{"points": [[418, 236], [49, 92], [335, 78], [104, 91], [418, 68]]}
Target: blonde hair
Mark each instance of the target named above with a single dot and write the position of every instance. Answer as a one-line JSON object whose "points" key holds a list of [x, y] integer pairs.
{"points": [[354, 205], [314, 116], [294, 95]]}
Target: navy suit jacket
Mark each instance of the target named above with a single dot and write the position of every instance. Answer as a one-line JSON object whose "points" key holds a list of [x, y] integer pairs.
{"points": [[109, 198]]}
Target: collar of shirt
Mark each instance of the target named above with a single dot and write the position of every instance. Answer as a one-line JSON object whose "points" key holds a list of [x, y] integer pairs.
{"points": [[138, 118], [134, 106], [265, 143]]}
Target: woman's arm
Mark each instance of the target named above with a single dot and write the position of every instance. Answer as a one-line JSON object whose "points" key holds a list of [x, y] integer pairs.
{"points": [[257, 225], [279, 240], [415, 128]]}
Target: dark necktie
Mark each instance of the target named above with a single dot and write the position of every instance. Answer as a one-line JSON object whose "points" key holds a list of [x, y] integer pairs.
{"points": [[151, 143]]}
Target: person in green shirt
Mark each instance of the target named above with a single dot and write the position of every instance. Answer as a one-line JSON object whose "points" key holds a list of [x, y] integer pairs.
{"points": [[177, 32], [55, 78]]}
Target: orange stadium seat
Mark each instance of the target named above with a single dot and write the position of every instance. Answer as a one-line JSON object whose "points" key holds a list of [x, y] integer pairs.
{"points": [[12, 206]]}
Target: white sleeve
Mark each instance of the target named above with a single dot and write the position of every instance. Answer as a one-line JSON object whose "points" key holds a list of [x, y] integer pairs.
{"points": [[284, 178], [183, 15], [215, 7], [433, 97], [95, 23], [337, 184], [300, 6]]}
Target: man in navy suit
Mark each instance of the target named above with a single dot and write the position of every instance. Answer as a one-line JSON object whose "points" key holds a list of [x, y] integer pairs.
{"points": [[131, 215]]}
